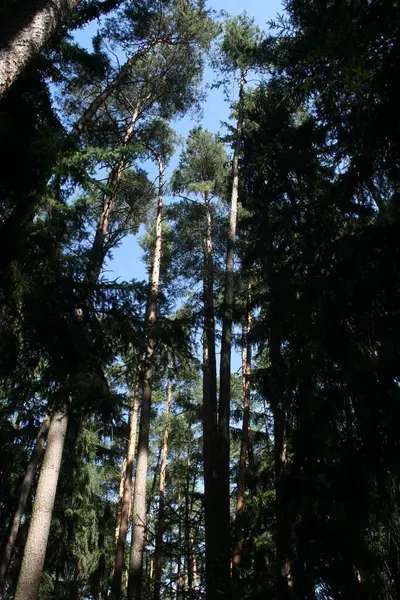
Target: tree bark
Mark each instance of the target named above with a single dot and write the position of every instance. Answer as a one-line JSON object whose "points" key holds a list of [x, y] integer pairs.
{"points": [[139, 504], [126, 498], [225, 375], [8, 548], [36, 543], [28, 35], [161, 505], [246, 370], [210, 413]]}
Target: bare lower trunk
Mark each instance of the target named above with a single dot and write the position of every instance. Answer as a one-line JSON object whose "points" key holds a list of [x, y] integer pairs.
{"points": [[139, 504], [246, 368], [126, 497], [28, 35], [8, 548], [36, 543], [120, 501], [161, 506], [225, 376], [210, 413]]}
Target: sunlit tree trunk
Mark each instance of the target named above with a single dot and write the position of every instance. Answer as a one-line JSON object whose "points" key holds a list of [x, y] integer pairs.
{"points": [[224, 584], [36, 543], [139, 503], [26, 486], [161, 505], [246, 371], [27, 34], [210, 412], [126, 479]]}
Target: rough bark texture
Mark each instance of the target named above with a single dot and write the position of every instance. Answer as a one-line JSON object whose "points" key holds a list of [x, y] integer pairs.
{"points": [[27, 36], [246, 370], [126, 497], [210, 414], [36, 543], [139, 504], [98, 249], [225, 377], [8, 548], [161, 505]]}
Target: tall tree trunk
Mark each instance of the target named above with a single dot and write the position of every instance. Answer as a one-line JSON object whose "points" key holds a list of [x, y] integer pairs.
{"points": [[120, 501], [246, 369], [282, 539], [224, 583], [210, 413], [36, 543], [179, 586], [27, 35], [188, 533], [98, 249], [127, 497], [8, 548], [161, 505], [139, 504]]}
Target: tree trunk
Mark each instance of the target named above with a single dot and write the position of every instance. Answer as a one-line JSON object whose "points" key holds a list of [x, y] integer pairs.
{"points": [[98, 250], [188, 535], [161, 506], [179, 586], [23, 39], [120, 501], [210, 413], [15, 522], [36, 543], [225, 376], [278, 403], [139, 504], [246, 369], [127, 497]]}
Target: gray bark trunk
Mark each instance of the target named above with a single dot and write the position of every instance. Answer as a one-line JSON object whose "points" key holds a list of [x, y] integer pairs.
{"points": [[25, 40], [36, 543], [225, 375], [139, 504], [26, 487]]}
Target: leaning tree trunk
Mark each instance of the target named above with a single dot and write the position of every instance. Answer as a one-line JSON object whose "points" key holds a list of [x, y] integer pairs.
{"points": [[139, 504], [161, 505], [126, 498], [27, 35], [98, 249], [225, 376], [8, 548], [210, 413], [36, 543], [246, 369]]}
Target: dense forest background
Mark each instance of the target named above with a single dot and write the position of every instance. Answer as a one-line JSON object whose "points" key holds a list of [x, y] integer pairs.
{"points": [[228, 427]]}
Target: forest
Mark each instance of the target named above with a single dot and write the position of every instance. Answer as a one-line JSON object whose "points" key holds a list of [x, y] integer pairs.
{"points": [[226, 426]]}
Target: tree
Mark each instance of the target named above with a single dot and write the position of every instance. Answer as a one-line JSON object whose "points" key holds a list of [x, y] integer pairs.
{"points": [[238, 50], [202, 172]]}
